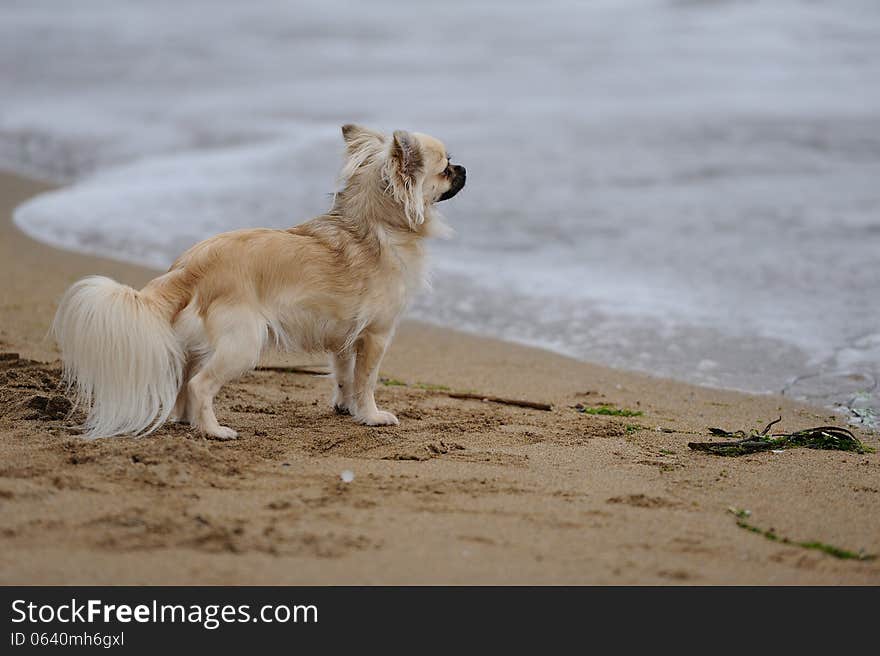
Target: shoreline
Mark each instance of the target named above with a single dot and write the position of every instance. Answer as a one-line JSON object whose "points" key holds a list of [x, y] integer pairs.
{"points": [[831, 400], [138, 274], [483, 493]]}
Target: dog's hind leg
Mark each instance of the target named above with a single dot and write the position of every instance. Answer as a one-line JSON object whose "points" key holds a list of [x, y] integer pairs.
{"points": [[179, 413], [240, 337]]}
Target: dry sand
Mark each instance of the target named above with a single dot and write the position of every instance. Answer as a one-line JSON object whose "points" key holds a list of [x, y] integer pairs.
{"points": [[461, 492]]}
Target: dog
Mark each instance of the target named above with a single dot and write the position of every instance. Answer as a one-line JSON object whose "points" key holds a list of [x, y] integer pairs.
{"points": [[336, 284]]}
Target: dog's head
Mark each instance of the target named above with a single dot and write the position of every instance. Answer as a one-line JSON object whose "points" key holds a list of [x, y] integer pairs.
{"points": [[411, 169]]}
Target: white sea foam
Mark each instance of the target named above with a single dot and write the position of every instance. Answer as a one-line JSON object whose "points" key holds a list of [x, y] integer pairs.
{"points": [[653, 184]]}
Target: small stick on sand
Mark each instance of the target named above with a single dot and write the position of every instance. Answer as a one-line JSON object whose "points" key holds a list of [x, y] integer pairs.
{"points": [[294, 370], [497, 399], [536, 405]]}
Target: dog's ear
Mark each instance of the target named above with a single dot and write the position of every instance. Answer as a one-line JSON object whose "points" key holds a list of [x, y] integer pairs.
{"points": [[357, 137], [360, 144], [406, 154], [403, 171]]}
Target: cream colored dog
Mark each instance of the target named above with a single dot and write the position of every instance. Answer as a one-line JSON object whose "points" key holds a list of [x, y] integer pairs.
{"points": [[336, 284]]}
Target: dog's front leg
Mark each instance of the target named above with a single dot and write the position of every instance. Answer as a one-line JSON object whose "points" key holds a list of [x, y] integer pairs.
{"points": [[369, 349], [343, 382]]}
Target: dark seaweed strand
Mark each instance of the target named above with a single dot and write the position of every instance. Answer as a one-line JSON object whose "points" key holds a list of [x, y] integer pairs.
{"points": [[821, 437]]}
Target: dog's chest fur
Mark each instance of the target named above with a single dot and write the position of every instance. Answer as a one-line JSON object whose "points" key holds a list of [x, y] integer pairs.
{"points": [[367, 287], [402, 257]]}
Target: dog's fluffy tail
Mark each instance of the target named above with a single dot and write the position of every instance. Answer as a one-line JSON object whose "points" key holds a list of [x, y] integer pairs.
{"points": [[122, 360]]}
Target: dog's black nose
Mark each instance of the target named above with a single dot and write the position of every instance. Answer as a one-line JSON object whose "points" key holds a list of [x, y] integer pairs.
{"points": [[459, 174]]}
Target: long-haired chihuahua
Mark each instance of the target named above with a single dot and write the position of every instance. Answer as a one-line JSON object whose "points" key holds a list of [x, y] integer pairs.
{"points": [[337, 284]]}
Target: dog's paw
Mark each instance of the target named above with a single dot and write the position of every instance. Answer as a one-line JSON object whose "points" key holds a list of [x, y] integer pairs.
{"points": [[341, 404], [222, 433], [379, 418]]}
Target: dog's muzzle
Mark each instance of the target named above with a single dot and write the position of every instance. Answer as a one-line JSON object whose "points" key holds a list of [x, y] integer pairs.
{"points": [[459, 173]]}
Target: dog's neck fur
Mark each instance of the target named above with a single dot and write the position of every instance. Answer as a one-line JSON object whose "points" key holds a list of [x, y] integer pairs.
{"points": [[363, 199], [364, 209]]}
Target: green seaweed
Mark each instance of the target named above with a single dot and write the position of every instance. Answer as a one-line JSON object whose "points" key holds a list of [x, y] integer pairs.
{"points": [[431, 387], [607, 410], [815, 545]]}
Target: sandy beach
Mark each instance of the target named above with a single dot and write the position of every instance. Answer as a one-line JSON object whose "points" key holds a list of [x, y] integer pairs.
{"points": [[462, 492]]}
